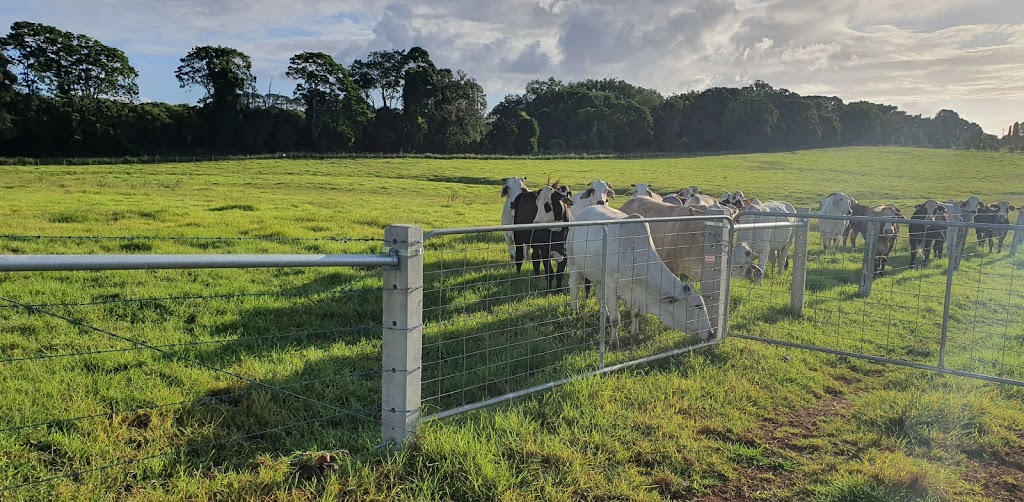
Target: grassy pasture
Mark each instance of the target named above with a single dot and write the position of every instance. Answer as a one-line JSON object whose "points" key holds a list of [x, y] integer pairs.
{"points": [[743, 421]]}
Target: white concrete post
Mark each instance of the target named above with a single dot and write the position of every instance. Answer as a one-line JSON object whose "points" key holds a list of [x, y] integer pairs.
{"points": [[796, 294], [867, 274], [401, 354], [714, 272]]}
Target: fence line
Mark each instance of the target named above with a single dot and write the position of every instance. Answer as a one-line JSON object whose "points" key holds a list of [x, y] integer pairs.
{"points": [[462, 328]]}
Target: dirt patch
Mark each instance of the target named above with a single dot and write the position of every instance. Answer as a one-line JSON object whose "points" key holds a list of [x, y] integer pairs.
{"points": [[759, 483], [999, 478]]}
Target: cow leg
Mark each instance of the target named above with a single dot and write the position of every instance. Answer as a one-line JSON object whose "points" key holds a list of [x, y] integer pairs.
{"points": [[560, 272], [611, 303], [1001, 237], [575, 281], [520, 256], [784, 256], [634, 324], [511, 246], [586, 287], [926, 252], [535, 260], [913, 250]]}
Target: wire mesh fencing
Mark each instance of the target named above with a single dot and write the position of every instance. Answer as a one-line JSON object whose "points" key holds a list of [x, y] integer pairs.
{"points": [[883, 298], [494, 328], [116, 378]]}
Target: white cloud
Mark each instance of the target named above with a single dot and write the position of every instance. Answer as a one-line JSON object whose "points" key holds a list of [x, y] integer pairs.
{"points": [[920, 55]]}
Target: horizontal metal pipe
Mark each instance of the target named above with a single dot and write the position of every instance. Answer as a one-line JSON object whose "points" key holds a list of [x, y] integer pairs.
{"points": [[877, 359], [43, 263], [777, 224], [563, 224], [898, 221], [558, 383]]}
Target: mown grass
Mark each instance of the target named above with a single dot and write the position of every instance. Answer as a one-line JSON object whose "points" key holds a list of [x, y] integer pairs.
{"points": [[693, 426]]}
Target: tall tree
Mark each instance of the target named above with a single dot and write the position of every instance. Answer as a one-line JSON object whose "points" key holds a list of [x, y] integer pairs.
{"points": [[332, 100], [65, 64], [7, 83], [225, 74], [457, 123], [527, 132], [381, 73]]}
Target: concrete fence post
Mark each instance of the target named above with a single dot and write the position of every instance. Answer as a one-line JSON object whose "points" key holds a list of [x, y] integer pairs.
{"points": [[796, 294], [1018, 234], [401, 354], [867, 273], [714, 282]]}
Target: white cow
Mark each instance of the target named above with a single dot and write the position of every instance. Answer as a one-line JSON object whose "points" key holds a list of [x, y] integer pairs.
{"points": [[700, 200], [510, 190], [769, 245], [836, 204], [596, 194], [672, 199], [643, 190], [635, 274], [689, 191]]}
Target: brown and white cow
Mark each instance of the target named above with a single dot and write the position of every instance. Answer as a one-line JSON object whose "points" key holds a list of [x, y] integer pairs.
{"points": [[681, 243], [859, 227]]}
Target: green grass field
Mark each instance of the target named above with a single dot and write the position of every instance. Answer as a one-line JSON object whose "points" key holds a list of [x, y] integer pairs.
{"points": [[743, 421]]}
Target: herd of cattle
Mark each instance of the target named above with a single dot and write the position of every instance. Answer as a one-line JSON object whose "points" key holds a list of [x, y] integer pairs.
{"points": [[647, 261]]}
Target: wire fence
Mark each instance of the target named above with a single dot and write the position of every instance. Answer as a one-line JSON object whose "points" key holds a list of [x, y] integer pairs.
{"points": [[495, 329], [881, 304], [104, 388]]}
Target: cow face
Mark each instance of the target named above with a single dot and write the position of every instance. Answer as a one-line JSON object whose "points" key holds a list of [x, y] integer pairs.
{"points": [[551, 205], [969, 208], [641, 190], [688, 192], [599, 192], [513, 186], [733, 199], [744, 263], [686, 312], [842, 204], [1004, 208]]}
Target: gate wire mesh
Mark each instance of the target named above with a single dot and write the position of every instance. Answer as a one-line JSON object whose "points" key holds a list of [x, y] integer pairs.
{"points": [[902, 318], [491, 330], [114, 379]]}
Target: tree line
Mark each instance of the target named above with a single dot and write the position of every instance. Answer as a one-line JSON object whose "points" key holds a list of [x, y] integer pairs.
{"points": [[67, 94]]}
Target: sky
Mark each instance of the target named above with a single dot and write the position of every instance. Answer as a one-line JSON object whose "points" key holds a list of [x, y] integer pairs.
{"points": [[920, 55]]}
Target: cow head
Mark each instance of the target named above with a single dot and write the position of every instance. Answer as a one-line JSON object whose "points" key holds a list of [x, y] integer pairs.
{"points": [[641, 190], [733, 199], [1004, 208], [599, 192], [841, 204], [744, 263], [564, 190], [969, 208], [684, 310], [688, 192], [513, 186], [552, 205]]}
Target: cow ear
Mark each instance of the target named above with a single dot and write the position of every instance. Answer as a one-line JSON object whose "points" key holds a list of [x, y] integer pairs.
{"points": [[503, 180], [504, 191], [687, 288], [587, 193], [610, 194], [1012, 208]]}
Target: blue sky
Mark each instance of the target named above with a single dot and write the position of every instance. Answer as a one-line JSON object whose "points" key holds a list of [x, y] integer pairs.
{"points": [[919, 55]]}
